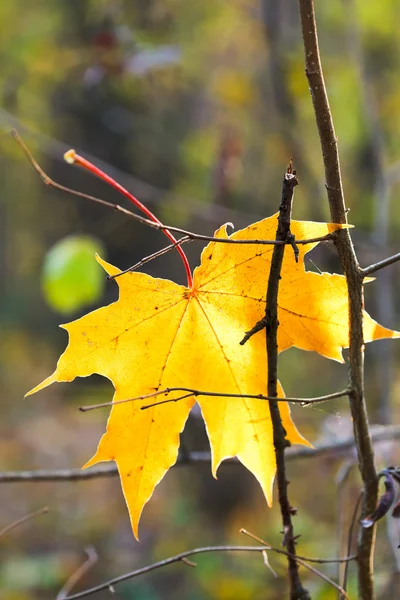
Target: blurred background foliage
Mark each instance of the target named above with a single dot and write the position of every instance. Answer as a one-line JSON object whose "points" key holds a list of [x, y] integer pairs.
{"points": [[196, 107]]}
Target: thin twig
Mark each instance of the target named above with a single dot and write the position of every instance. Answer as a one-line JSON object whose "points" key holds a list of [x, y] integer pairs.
{"points": [[324, 577], [196, 393], [321, 561], [72, 158], [181, 558], [80, 572], [128, 213], [164, 563], [301, 560], [380, 265], [341, 479], [297, 591], [334, 449], [32, 515], [300, 452], [151, 257], [350, 538], [354, 277], [189, 563], [267, 563]]}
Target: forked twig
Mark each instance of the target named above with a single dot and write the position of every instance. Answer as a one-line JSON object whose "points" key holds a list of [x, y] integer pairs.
{"points": [[72, 158], [196, 393], [182, 558], [128, 213], [163, 563], [303, 560], [320, 561]]}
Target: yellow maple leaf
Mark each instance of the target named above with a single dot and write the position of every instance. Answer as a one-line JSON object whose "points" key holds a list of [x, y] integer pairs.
{"points": [[161, 335]]}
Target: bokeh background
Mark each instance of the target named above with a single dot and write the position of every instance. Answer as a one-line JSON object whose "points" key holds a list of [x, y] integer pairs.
{"points": [[196, 107]]}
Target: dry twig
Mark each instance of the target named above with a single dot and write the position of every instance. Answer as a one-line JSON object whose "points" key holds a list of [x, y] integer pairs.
{"points": [[190, 458], [302, 561], [80, 572], [32, 515], [195, 393], [297, 591], [182, 558], [128, 213]]}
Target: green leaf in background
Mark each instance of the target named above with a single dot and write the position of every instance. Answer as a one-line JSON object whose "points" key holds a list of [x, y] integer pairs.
{"points": [[71, 277]]}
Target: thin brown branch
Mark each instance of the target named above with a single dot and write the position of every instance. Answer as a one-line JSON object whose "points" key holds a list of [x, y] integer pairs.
{"points": [[196, 393], [341, 479], [350, 538], [80, 572], [182, 558], [380, 265], [163, 563], [354, 277], [183, 397], [300, 452], [321, 561], [28, 517], [128, 213], [297, 591], [302, 561], [324, 577], [151, 257]]}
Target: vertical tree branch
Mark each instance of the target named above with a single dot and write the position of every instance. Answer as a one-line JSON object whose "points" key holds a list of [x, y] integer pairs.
{"points": [[354, 278], [297, 592]]}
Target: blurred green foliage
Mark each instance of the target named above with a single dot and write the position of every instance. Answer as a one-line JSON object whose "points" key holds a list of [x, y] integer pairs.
{"points": [[71, 277], [196, 107]]}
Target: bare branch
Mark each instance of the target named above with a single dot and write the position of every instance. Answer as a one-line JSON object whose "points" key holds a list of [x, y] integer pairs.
{"points": [[18, 522], [91, 560], [163, 563], [321, 561], [380, 265], [151, 257], [301, 560], [195, 393], [300, 452], [324, 577], [128, 213], [341, 479], [181, 558], [271, 323], [354, 277], [350, 537]]}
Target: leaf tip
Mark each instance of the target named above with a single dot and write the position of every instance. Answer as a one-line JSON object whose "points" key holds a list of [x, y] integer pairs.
{"points": [[41, 386], [109, 269], [215, 467], [93, 461]]}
